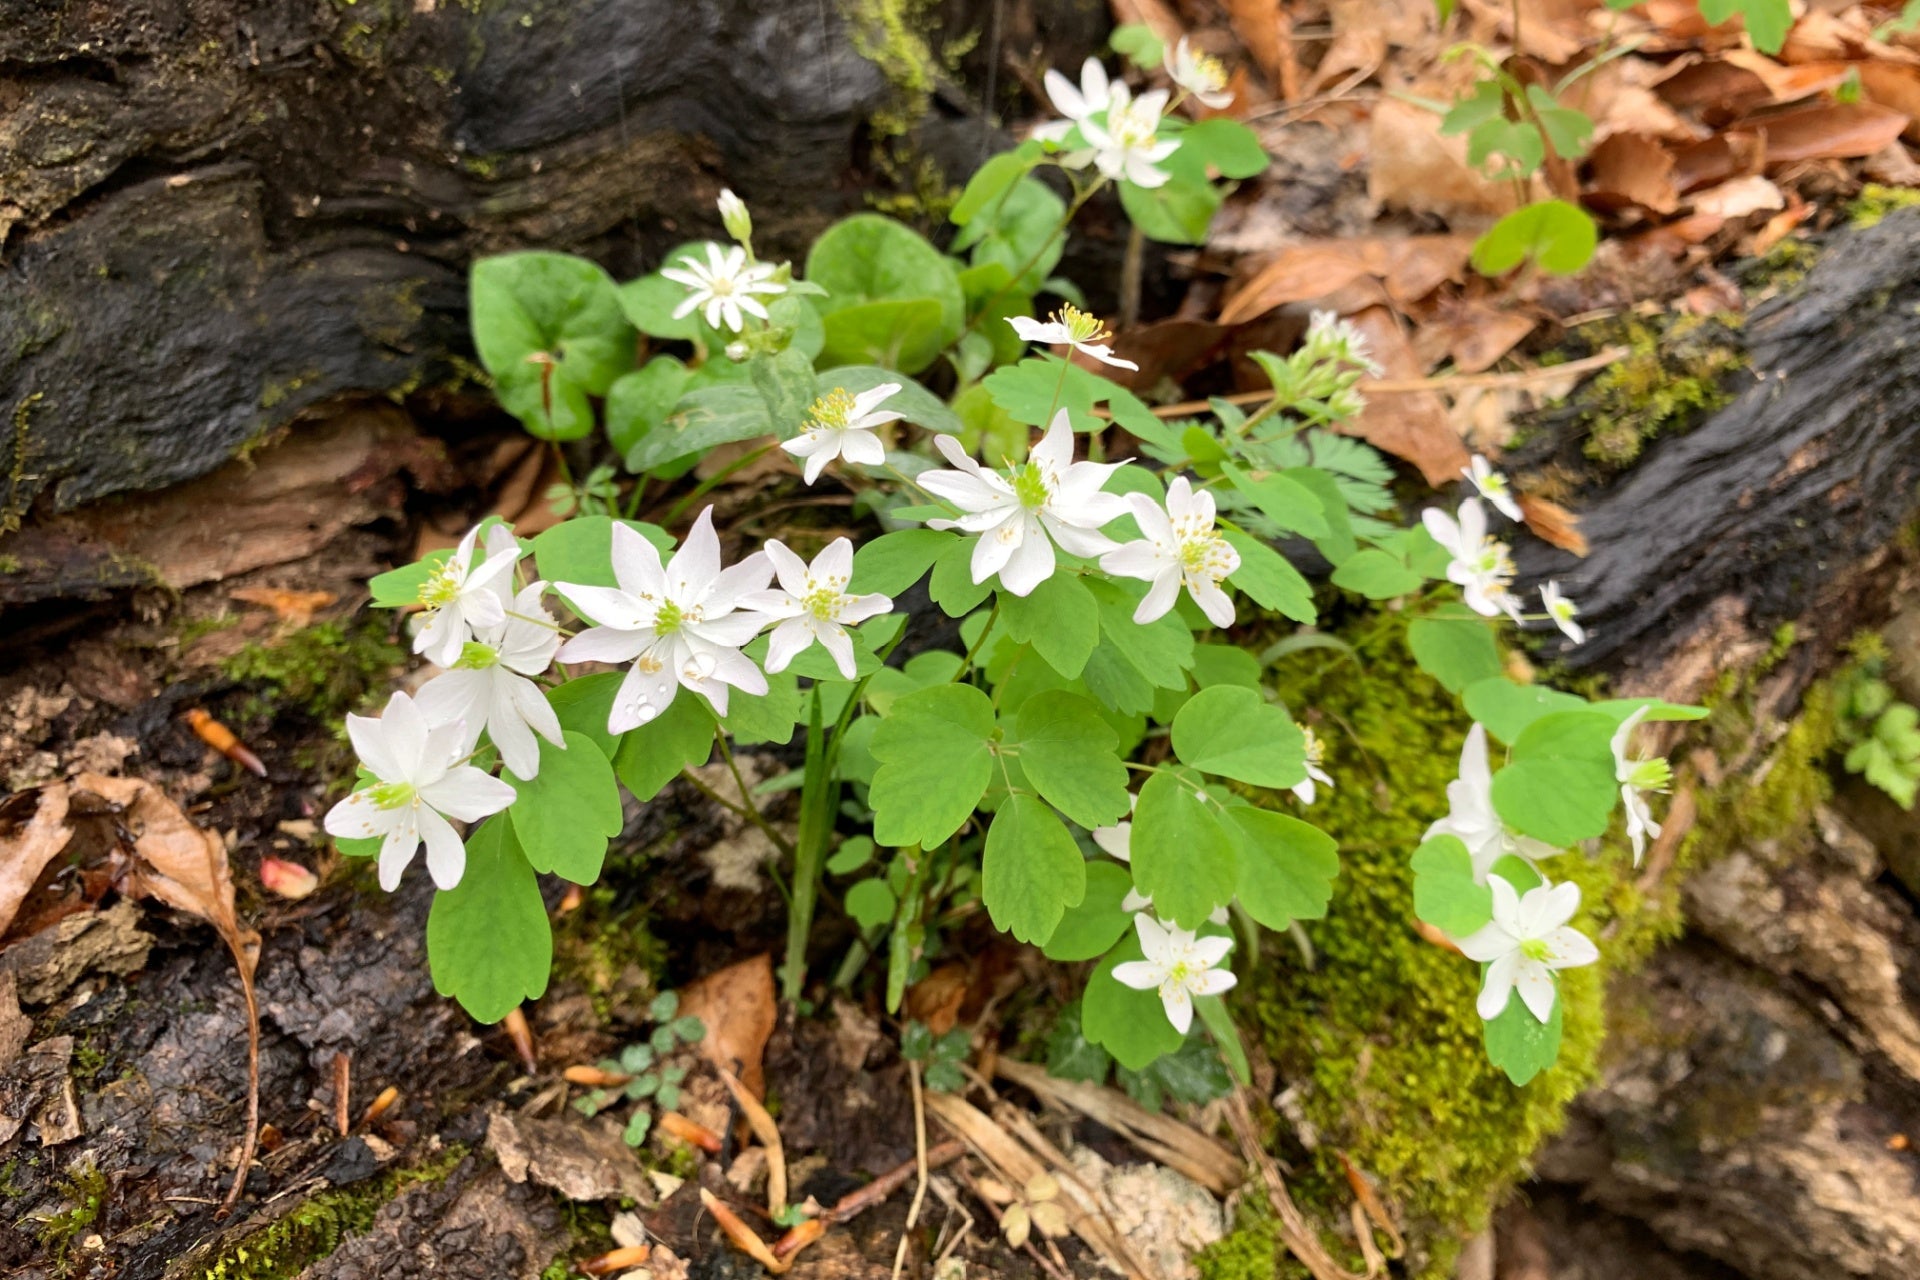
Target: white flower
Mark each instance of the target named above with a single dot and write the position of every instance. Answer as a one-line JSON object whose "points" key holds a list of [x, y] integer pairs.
{"points": [[421, 784], [734, 216], [1180, 547], [1200, 74], [1075, 104], [1073, 327], [1523, 944], [488, 688], [1179, 964], [1563, 611], [1482, 566], [1316, 752], [812, 604], [1048, 498], [1332, 339], [1117, 840], [1635, 775], [1125, 138], [461, 599], [1493, 486], [724, 285], [1471, 815], [680, 625], [840, 425]]}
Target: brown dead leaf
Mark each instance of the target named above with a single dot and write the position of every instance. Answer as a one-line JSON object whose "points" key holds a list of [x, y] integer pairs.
{"points": [[295, 608], [1633, 169], [1895, 85], [1553, 523], [1777, 228], [1714, 89], [1296, 273], [1412, 166], [1408, 424], [1829, 131], [1738, 197], [1155, 15], [1479, 334], [1790, 84], [737, 1006], [31, 836], [1412, 267], [1724, 156], [936, 998], [1267, 34], [1167, 348], [1620, 97]]}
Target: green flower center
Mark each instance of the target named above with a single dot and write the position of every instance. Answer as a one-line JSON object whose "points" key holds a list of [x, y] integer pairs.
{"points": [[475, 656], [668, 619], [442, 588], [1030, 485], [392, 795], [1204, 555], [1536, 949], [833, 411], [1650, 775], [822, 602], [1080, 326]]}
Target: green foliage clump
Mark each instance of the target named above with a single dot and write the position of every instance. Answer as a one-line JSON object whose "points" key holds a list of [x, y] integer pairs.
{"points": [[87, 1189], [1382, 1029], [1251, 1251], [323, 670], [1880, 731], [1675, 372], [318, 1226]]}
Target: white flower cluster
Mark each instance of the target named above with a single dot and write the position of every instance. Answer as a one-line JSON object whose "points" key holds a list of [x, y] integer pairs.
{"points": [[1528, 936], [1119, 133], [1482, 565], [681, 624]]}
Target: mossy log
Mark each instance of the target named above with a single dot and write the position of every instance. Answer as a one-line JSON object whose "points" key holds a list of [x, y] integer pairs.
{"points": [[214, 213]]}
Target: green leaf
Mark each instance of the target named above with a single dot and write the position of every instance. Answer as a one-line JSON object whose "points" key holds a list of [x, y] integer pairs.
{"points": [[993, 180], [766, 717], [1226, 1038], [1507, 708], [1226, 145], [1184, 857], [895, 561], [398, 588], [952, 586], [854, 853], [1517, 140], [705, 418], [1067, 751], [1031, 871], [1224, 664], [641, 401], [1037, 387], [1177, 212], [1456, 651], [1193, 1074], [584, 705], [1096, 922], [1568, 130], [1232, 731], [565, 815], [1058, 618], [1136, 42], [581, 549], [1521, 1045], [1070, 1055], [650, 301], [935, 762], [1282, 499], [1020, 230], [1338, 543], [1265, 575], [549, 328], [1445, 894], [870, 903], [488, 941], [1161, 651], [1131, 1025], [1376, 575], [1559, 786], [881, 275], [1768, 21], [663, 1009], [1559, 236], [653, 755], [1287, 867], [785, 381], [912, 401]]}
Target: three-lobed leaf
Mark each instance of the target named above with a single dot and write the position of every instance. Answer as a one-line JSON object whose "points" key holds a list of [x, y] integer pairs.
{"points": [[1233, 731], [1184, 856], [1068, 752], [565, 814], [488, 941], [1031, 871], [936, 758], [1287, 867]]}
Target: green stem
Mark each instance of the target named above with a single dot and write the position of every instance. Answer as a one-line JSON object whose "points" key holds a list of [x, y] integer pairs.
{"points": [[751, 811], [819, 796], [966, 663], [1079, 201], [706, 486]]}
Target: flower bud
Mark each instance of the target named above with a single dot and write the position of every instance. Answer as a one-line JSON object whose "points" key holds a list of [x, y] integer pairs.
{"points": [[734, 215], [738, 351]]}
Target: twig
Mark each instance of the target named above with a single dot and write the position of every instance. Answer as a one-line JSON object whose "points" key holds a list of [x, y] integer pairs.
{"points": [[342, 1093], [761, 1122], [744, 1237], [1295, 1231], [252, 1141], [920, 1160], [1441, 383]]}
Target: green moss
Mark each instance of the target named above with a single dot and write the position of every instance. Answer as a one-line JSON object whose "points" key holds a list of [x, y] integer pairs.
{"points": [[890, 34], [86, 1188], [10, 564], [1876, 201], [1676, 371], [1381, 1033], [1781, 267], [17, 501], [1251, 1251], [323, 670], [595, 945], [317, 1227]]}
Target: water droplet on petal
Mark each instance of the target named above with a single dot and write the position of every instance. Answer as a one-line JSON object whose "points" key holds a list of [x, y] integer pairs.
{"points": [[645, 711]]}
